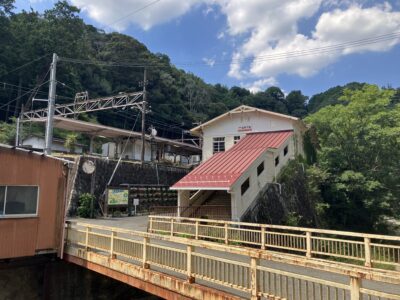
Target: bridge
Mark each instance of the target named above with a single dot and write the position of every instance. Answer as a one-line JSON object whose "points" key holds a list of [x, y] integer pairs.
{"points": [[183, 258]]}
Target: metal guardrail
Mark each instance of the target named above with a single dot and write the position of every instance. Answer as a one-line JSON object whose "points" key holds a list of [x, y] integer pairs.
{"points": [[371, 249], [251, 277], [220, 212]]}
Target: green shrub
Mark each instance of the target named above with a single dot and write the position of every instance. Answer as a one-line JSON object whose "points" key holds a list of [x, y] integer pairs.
{"points": [[292, 219], [85, 201], [70, 142]]}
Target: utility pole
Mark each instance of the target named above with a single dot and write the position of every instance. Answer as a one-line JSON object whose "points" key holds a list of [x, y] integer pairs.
{"points": [[18, 129], [17, 132], [50, 114], [143, 116]]}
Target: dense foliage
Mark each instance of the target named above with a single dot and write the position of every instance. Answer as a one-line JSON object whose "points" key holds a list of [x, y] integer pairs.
{"points": [[177, 98], [86, 201], [357, 173]]}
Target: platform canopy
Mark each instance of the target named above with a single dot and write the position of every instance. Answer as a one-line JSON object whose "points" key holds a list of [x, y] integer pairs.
{"points": [[99, 130]]}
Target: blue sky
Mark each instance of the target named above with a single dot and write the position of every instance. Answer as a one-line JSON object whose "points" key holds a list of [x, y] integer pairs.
{"points": [[256, 43]]}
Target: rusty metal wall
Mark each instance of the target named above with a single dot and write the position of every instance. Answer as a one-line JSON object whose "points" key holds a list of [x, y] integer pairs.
{"points": [[18, 237], [26, 236]]}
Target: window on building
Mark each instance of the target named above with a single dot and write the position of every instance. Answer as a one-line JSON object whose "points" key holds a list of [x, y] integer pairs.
{"points": [[245, 186], [236, 139], [2, 198], [260, 168], [286, 150], [276, 161], [218, 144], [18, 200]]}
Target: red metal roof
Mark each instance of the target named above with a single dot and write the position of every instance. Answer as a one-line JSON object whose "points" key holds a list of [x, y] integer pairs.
{"points": [[224, 168]]}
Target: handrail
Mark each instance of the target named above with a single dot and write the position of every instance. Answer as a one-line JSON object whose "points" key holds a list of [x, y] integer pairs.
{"points": [[329, 244], [193, 211], [318, 264], [316, 230], [250, 276]]}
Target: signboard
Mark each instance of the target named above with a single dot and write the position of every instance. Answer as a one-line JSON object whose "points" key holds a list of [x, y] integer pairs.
{"points": [[117, 197], [136, 203], [245, 128]]}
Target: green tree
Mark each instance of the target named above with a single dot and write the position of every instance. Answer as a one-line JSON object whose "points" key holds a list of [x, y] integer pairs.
{"points": [[296, 104], [6, 7], [70, 142], [7, 133], [330, 96], [359, 147]]}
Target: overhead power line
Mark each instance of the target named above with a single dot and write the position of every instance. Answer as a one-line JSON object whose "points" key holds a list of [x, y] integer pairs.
{"points": [[24, 65], [259, 58], [132, 13], [30, 91], [15, 87]]}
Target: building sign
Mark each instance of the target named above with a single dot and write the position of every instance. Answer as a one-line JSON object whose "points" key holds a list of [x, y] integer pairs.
{"points": [[117, 197], [245, 128]]}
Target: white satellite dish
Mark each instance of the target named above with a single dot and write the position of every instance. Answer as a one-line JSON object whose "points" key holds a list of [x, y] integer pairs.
{"points": [[88, 167]]}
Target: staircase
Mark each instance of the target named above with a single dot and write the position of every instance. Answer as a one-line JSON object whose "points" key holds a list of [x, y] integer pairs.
{"points": [[221, 198], [216, 206]]}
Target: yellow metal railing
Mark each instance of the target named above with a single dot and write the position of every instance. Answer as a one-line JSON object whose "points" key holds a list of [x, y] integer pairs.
{"points": [[370, 249], [251, 275]]}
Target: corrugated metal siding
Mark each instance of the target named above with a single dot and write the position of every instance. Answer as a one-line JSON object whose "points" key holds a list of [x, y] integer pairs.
{"points": [[25, 236], [224, 168], [18, 237]]}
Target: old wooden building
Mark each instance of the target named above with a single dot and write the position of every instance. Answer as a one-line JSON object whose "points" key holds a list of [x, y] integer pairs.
{"points": [[32, 202]]}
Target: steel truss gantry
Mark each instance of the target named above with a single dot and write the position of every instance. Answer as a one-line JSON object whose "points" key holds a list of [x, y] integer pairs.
{"points": [[119, 101]]}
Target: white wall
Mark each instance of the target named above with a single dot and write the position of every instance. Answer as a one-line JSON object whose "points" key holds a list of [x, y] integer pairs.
{"points": [[133, 150], [240, 203], [39, 143], [240, 124], [108, 150]]}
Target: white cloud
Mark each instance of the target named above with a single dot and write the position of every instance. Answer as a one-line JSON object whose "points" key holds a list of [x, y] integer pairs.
{"points": [[260, 30], [235, 70], [119, 14], [208, 10], [261, 84], [275, 17], [209, 61], [268, 45]]}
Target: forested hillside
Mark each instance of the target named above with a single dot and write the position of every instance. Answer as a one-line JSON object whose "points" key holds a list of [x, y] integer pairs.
{"points": [[108, 63]]}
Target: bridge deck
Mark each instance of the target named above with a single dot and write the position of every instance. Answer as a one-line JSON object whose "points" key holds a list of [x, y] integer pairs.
{"points": [[138, 223], [276, 279]]}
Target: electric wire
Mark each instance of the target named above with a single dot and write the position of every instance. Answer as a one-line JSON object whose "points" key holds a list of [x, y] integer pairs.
{"points": [[24, 65], [15, 99], [132, 13], [119, 160], [30, 100], [259, 58], [16, 87]]}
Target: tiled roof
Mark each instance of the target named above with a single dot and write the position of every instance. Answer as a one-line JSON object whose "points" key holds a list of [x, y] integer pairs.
{"points": [[224, 168]]}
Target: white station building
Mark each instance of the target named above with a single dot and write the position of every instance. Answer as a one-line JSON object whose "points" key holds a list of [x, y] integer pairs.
{"points": [[243, 151]]}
